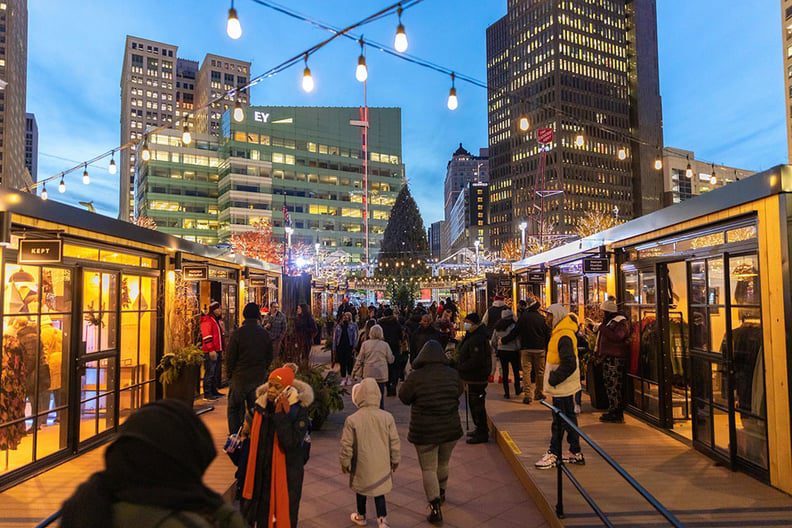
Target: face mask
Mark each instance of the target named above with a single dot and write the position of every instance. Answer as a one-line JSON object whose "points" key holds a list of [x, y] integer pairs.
{"points": [[468, 326]]}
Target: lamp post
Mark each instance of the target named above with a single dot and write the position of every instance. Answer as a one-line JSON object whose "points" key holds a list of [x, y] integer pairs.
{"points": [[316, 258], [477, 243], [523, 226], [289, 231]]}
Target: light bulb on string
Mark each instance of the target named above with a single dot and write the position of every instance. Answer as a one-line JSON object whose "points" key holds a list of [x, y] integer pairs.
{"points": [[62, 185], [361, 72], [44, 194], [622, 153], [307, 80], [400, 42], [186, 135], [524, 124], [579, 139], [658, 163], [86, 177], [239, 112], [453, 102], [233, 27], [713, 178], [112, 169], [145, 153], [689, 169]]}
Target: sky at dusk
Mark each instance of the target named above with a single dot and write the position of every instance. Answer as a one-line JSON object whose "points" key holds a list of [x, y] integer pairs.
{"points": [[721, 76]]}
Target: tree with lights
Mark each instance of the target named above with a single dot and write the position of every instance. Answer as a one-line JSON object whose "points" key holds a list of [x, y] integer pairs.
{"points": [[258, 244], [144, 221], [511, 251], [596, 221]]}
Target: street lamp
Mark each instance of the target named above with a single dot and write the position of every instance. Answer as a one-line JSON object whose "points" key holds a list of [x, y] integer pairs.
{"points": [[477, 243], [523, 226], [316, 258]]}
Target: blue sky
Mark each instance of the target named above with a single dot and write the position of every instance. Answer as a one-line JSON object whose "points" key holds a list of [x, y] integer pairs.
{"points": [[720, 62]]}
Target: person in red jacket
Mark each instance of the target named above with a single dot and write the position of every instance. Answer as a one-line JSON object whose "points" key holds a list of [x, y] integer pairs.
{"points": [[613, 346], [212, 345]]}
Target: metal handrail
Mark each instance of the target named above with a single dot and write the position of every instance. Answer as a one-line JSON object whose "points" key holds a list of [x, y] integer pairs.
{"points": [[563, 470], [49, 520]]}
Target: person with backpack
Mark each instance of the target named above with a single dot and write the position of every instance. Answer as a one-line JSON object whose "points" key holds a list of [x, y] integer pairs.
{"points": [[490, 319], [613, 345], [370, 451], [507, 353]]}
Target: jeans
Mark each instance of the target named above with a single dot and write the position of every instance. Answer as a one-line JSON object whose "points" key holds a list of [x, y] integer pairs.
{"points": [[613, 373], [240, 399], [219, 372], [477, 396], [510, 357], [567, 406], [433, 459], [533, 361], [210, 376], [379, 504]]}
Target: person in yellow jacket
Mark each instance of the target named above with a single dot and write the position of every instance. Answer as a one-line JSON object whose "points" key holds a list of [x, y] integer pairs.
{"points": [[562, 381]]}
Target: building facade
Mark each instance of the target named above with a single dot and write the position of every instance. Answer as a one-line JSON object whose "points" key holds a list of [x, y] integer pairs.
{"points": [[462, 168], [685, 177], [588, 72], [159, 89], [786, 39], [31, 146], [435, 237], [13, 92], [469, 218]]}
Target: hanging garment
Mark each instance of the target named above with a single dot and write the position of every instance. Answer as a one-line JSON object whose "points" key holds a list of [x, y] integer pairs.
{"points": [[12, 392]]}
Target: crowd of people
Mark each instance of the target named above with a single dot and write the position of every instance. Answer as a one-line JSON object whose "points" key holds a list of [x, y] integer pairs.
{"points": [[381, 351]]}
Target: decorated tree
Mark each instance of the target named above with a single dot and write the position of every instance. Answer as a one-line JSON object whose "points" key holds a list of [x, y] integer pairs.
{"points": [[258, 244], [404, 248], [594, 222], [143, 221], [546, 239], [511, 251]]}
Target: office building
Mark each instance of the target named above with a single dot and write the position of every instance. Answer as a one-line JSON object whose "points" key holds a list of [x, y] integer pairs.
{"points": [[462, 168], [177, 187], [786, 39], [579, 69], [469, 217], [435, 236], [160, 89], [13, 92], [31, 146], [685, 177]]}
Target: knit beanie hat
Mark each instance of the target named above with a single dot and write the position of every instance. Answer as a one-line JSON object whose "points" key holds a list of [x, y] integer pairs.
{"points": [[214, 305], [251, 311], [284, 375], [609, 306]]}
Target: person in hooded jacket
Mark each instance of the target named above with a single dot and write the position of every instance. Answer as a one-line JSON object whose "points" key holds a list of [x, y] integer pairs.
{"points": [[612, 347], [473, 363], [275, 467], [507, 353], [424, 333], [562, 382], [373, 360], [533, 334], [393, 333], [153, 476], [432, 391], [370, 451], [248, 360]]}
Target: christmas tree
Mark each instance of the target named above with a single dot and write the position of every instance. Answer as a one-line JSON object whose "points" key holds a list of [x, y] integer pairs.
{"points": [[404, 248]]}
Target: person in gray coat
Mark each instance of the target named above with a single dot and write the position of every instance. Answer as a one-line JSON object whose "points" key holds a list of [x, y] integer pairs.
{"points": [[432, 391], [370, 451], [373, 360]]}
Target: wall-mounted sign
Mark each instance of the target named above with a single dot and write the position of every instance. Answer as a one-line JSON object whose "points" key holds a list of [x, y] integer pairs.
{"points": [[257, 282], [595, 265], [536, 276], [33, 251], [261, 117], [544, 136], [195, 272]]}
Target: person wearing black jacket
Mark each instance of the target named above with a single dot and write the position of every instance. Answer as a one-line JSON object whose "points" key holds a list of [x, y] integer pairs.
{"points": [[432, 391], [424, 333], [474, 362], [248, 360], [533, 333], [392, 334]]}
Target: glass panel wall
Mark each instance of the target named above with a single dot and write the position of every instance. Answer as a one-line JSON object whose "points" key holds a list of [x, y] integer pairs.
{"points": [[643, 368]]}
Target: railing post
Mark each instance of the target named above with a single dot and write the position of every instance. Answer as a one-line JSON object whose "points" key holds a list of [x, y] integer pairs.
{"points": [[560, 491]]}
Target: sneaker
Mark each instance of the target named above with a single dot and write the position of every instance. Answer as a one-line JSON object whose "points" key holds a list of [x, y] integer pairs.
{"points": [[435, 513], [358, 519], [478, 439], [527, 400], [548, 461], [577, 408], [610, 417], [506, 396], [574, 458], [382, 522]]}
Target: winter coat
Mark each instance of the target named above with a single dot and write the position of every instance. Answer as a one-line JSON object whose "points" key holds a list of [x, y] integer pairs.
{"points": [[392, 332], [493, 315], [211, 334], [432, 391], [291, 429], [531, 330], [249, 354], [420, 337], [373, 360], [474, 360], [613, 337], [370, 446], [562, 371], [352, 335], [501, 330], [129, 515]]}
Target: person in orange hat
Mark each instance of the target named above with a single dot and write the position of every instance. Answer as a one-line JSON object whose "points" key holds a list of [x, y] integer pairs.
{"points": [[275, 467]]}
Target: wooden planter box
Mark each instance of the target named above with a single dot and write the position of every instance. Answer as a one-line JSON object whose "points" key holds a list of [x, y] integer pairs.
{"points": [[184, 387]]}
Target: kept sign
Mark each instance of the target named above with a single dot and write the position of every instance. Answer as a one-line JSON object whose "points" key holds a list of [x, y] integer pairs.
{"points": [[33, 251], [596, 265], [195, 272], [544, 136], [536, 276]]}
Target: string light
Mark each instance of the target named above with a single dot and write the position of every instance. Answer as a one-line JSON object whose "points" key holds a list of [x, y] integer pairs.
{"points": [[62, 185], [622, 153], [233, 27], [186, 136], [307, 80], [239, 113], [524, 124], [689, 169], [400, 42], [145, 154], [112, 169], [86, 177], [579, 139], [453, 102], [361, 72], [713, 178], [44, 194], [658, 163]]}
